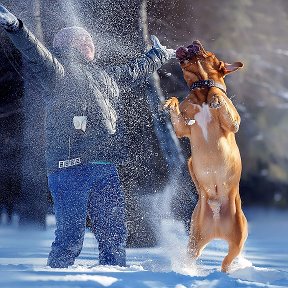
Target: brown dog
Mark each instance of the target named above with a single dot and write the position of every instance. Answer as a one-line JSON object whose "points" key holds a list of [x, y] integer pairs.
{"points": [[210, 120]]}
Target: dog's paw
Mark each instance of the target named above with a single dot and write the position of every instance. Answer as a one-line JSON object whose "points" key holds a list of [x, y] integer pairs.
{"points": [[171, 104], [216, 102]]}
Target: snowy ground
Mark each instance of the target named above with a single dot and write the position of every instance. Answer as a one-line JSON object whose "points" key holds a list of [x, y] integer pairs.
{"points": [[23, 257]]}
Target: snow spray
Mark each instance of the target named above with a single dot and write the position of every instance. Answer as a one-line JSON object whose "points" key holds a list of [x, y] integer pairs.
{"points": [[173, 237]]}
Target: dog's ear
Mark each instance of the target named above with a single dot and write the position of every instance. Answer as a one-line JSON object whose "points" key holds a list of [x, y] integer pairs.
{"points": [[226, 68]]}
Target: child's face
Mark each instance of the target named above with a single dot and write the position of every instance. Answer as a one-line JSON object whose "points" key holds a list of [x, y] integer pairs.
{"points": [[84, 44], [77, 38]]}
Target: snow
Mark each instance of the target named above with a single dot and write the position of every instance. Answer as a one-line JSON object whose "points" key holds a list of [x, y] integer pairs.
{"points": [[264, 262], [191, 122]]}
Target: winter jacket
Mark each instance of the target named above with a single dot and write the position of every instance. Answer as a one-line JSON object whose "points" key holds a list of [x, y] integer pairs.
{"points": [[82, 93]]}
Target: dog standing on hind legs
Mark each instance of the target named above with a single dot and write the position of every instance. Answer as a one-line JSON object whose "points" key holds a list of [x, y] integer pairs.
{"points": [[210, 120]]}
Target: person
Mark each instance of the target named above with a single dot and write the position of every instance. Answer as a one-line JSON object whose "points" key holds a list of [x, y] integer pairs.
{"points": [[85, 135]]}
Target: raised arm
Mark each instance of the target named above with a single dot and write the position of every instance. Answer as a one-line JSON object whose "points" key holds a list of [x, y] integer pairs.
{"points": [[143, 66], [41, 62]]}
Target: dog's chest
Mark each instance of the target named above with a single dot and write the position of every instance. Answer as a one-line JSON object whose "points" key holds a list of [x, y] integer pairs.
{"points": [[203, 117]]}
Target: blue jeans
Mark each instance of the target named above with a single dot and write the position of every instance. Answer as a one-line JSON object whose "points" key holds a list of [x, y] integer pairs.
{"points": [[94, 189]]}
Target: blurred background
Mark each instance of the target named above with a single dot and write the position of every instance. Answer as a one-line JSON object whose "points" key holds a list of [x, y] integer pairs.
{"points": [[251, 31]]}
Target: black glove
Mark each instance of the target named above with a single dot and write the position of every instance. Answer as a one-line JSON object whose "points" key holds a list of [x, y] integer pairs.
{"points": [[8, 20]]}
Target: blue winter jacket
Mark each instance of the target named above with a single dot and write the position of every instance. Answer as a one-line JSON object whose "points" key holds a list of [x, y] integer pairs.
{"points": [[79, 91]]}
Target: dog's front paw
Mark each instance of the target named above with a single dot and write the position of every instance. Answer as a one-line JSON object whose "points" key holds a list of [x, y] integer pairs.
{"points": [[171, 104], [216, 102]]}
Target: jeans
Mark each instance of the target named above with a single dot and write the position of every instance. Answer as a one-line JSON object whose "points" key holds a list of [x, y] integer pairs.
{"points": [[92, 189]]}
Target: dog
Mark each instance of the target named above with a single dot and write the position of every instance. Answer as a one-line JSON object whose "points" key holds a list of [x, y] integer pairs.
{"points": [[210, 120]]}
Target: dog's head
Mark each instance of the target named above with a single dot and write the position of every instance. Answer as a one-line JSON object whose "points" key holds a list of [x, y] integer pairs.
{"points": [[199, 64]]}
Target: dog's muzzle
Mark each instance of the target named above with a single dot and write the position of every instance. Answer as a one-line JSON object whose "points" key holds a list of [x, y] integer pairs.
{"points": [[183, 53]]}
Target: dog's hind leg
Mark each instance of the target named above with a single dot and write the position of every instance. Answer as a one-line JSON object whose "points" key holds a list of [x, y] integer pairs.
{"points": [[234, 251], [193, 177], [197, 243], [197, 239], [200, 234], [236, 243]]}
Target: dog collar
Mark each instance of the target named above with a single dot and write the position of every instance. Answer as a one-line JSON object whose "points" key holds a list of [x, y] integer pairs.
{"points": [[207, 84]]}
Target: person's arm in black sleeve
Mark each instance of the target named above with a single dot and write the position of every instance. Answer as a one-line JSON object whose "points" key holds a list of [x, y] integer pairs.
{"points": [[41, 62], [144, 65]]}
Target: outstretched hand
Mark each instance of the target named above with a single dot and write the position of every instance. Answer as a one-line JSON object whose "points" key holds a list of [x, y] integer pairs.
{"points": [[7, 19], [170, 53]]}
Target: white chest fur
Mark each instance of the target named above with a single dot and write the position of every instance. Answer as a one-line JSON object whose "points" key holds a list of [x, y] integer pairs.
{"points": [[203, 117]]}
